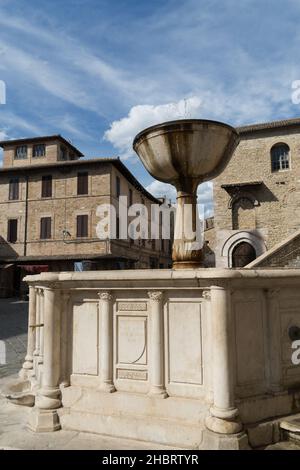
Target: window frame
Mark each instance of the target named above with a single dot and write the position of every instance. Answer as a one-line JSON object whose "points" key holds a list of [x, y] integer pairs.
{"points": [[24, 155], [35, 147], [278, 161], [13, 193], [47, 229], [82, 188], [80, 233], [47, 186], [11, 239]]}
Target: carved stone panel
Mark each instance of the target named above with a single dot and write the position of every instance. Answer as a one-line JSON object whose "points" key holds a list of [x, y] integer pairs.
{"points": [[85, 338]]}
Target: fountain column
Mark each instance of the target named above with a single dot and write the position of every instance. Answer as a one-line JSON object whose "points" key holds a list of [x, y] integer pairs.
{"points": [[187, 245], [44, 416], [157, 387], [106, 342], [27, 368], [224, 414]]}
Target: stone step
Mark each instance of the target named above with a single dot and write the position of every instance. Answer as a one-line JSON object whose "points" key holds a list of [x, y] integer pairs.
{"points": [[173, 421]]}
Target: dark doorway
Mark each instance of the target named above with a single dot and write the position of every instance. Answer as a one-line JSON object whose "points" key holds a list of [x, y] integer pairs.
{"points": [[242, 255]]}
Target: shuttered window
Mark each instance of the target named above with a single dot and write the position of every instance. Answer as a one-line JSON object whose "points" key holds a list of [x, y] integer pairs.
{"points": [[12, 230], [45, 232], [13, 189], [82, 183], [47, 186], [82, 226]]}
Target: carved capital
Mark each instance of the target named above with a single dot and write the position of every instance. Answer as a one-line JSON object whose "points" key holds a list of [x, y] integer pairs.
{"points": [[105, 295], [206, 294], [155, 295]]}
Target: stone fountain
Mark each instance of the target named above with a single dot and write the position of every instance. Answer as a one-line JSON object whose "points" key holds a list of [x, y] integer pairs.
{"points": [[195, 358], [186, 153]]}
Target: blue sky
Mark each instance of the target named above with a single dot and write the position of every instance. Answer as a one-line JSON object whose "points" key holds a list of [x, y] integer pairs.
{"points": [[98, 71]]}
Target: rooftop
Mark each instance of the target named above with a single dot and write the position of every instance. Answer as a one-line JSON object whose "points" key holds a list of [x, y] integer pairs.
{"points": [[280, 124], [4, 143], [28, 169]]}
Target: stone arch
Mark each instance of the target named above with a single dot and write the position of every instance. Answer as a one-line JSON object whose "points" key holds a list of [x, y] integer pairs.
{"points": [[253, 239], [245, 195]]}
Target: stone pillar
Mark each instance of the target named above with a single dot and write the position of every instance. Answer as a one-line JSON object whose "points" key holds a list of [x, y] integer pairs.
{"points": [[40, 330], [37, 322], [106, 342], [224, 414], [156, 363], [27, 368], [274, 335], [44, 416], [186, 250], [208, 341], [65, 316]]}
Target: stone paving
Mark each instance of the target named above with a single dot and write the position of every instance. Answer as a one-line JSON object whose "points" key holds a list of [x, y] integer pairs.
{"points": [[13, 335], [13, 418]]}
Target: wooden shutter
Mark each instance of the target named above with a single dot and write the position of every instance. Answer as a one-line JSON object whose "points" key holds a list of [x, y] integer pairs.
{"points": [[47, 186], [83, 182], [12, 230], [82, 226], [45, 228], [14, 189]]}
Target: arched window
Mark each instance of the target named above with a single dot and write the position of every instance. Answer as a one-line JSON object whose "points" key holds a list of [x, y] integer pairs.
{"points": [[280, 157], [243, 254]]}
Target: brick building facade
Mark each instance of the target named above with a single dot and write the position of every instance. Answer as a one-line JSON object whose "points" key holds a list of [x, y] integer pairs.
{"points": [[49, 196], [257, 197]]}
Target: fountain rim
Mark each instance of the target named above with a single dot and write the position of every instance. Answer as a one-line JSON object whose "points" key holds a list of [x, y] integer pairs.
{"points": [[170, 124]]}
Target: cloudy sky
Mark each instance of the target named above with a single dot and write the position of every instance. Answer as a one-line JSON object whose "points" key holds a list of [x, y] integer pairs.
{"points": [[99, 71]]}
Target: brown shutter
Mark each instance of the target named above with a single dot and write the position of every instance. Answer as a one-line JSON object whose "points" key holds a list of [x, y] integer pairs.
{"points": [[45, 231], [83, 183], [12, 230], [82, 226], [14, 189], [47, 186]]}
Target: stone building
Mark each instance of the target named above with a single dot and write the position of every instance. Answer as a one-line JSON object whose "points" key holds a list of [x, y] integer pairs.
{"points": [[49, 196], [257, 197]]}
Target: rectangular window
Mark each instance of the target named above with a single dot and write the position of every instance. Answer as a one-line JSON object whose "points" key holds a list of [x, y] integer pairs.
{"points": [[62, 153], [13, 189], [47, 186], [21, 152], [39, 150], [82, 226], [12, 230], [45, 232], [118, 186], [82, 182]]}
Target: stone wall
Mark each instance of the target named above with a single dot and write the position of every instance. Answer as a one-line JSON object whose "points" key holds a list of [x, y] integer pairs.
{"points": [[63, 207], [275, 212]]}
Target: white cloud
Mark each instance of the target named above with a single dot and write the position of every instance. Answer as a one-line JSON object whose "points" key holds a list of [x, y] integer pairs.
{"points": [[123, 131]]}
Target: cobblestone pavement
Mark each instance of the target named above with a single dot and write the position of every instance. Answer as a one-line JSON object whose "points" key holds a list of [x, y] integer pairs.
{"points": [[13, 335]]}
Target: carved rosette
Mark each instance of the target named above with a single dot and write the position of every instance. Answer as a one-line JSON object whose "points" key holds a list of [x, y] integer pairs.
{"points": [[105, 295], [155, 295]]}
